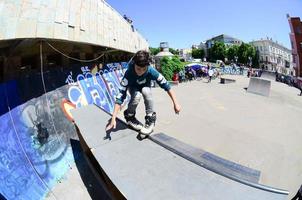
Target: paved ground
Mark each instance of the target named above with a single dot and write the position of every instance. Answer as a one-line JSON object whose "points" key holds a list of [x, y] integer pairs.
{"points": [[263, 133]]}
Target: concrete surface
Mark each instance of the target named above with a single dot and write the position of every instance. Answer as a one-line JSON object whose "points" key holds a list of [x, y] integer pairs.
{"points": [[262, 133], [142, 169], [259, 86], [94, 22]]}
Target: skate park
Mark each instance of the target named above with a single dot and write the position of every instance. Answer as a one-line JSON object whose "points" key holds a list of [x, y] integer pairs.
{"points": [[43, 153]]}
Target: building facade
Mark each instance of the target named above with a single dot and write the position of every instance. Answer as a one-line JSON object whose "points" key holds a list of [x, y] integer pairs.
{"points": [[296, 43], [79, 29], [274, 56], [164, 52], [227, 40], [185, 54]]}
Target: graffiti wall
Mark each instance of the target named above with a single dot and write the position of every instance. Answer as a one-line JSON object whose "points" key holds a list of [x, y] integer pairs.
{"points": [[35, 150]]}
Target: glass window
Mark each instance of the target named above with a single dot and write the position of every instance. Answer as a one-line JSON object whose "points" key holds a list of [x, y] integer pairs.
{"points": [[298, 30]]}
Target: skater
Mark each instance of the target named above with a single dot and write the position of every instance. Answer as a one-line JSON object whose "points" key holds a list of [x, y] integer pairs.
{"points": [[137, 79]]}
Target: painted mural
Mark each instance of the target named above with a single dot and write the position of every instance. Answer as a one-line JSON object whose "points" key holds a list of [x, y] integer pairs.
{"points": [[100, 89], [35, 134]]}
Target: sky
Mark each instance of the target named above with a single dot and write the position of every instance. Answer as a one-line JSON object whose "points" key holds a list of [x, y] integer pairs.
{"points": [[183, 23]]}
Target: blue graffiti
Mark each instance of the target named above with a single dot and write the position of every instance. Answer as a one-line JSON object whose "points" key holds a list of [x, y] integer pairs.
{"points": [[89, 91], [100, 89]]}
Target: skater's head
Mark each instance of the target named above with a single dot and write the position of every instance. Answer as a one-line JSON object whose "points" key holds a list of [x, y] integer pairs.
{"points": [[141, 62]]}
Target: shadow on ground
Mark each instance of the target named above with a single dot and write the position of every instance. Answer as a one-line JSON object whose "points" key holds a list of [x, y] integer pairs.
{"points": [[94, 188]]}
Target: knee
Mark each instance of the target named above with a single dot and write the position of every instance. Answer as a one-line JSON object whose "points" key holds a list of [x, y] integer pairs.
{"points": [[135, 98], [146, 91]]}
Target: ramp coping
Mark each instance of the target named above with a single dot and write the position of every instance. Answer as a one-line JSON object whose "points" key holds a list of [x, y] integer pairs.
{"points": [[157, 139], [184, 155]]}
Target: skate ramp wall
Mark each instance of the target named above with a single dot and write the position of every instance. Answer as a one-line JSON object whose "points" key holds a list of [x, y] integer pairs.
{"points": [[35, 132], [259, 86]]}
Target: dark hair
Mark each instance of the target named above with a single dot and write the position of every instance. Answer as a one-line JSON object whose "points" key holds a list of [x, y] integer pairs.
{"points": [[142, 58]]}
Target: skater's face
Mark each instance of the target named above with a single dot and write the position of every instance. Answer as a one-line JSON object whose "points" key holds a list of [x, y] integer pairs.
{"points": [[140, 70]]}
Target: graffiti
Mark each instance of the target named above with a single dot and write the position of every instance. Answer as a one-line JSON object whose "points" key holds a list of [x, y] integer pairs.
{"points": [[100, 89], [69, 79], [35, 149], [85, 70], [35, 133], [233, 71]]}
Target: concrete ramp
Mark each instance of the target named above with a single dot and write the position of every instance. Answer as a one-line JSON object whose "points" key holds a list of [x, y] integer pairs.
{"points": [[268, 75], [144, 169], [259, 86]]}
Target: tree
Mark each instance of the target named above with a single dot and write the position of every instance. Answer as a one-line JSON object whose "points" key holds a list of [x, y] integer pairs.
{"points": [[198, 53], [154, 51], [173, 51], [231, 52], [217, 52], [169, 66], [245, 51]]}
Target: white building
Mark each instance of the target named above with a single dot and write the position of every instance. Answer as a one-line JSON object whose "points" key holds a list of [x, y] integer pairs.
{"points": [[186, 54], [273, 56], [164, 52]]}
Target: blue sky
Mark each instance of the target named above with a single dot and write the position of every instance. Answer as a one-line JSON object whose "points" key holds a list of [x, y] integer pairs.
{"points": [[187, 22]]}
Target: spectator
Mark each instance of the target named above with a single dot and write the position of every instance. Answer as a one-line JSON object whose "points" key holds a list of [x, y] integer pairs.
{"points": [[175, 76], [211, 72]]}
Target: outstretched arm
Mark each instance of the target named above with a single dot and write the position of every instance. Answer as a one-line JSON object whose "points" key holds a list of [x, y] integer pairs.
{"points": [[176, 106], [112, 123]]}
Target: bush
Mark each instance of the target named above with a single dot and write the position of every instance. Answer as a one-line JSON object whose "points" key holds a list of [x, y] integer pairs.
{"points": [[169, 66]]}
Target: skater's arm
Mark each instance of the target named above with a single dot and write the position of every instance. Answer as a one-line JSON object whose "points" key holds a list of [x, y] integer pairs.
{"points": [[176, 105], [112, 123], [119, 101]]}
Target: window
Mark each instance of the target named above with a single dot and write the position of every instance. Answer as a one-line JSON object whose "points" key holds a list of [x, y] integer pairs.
{"points": [[260, 48], [298, 30]]}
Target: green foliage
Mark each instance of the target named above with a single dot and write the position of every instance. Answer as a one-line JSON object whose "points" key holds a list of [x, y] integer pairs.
{"points": [[231, 52], [154, 51], [217, 52], [173, 51], [198, 53], [244, 52], [169, 66]]}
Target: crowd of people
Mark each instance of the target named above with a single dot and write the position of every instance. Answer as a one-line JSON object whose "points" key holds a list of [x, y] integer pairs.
{"points": [[189, 74]]}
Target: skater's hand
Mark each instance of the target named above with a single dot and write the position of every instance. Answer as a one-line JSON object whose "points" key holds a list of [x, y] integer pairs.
{"points": [[111, 125], [177, 108]]}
